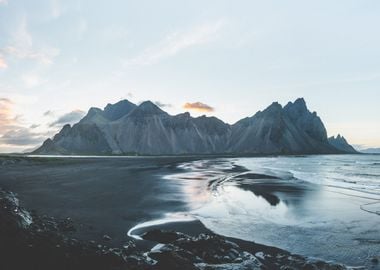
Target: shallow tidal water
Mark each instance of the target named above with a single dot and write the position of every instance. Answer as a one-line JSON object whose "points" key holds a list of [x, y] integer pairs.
{"points": [[325, 207]]}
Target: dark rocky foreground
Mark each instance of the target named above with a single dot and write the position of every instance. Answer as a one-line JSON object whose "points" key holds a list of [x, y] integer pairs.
{"points": [[30, 241]]}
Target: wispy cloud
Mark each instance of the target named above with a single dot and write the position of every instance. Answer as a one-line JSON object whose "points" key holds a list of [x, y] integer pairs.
{"points": [[21, 46], [3, 63], [198, 106], [49, 113], [6, 119], [176, 42], [16, 134], [163, 105], [3, 2], [12, 133], [45, 57], [21, 136], [68, 118]]}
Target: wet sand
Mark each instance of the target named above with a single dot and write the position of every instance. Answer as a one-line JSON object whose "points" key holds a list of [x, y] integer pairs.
{"points": [[110, 196], [103, 195]]}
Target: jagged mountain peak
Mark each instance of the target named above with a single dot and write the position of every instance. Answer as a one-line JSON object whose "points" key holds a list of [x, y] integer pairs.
{"points": [[149, 105], [308, 122], [300, 102], [94, 115], [119, 103], [274, 109], [116, 111], [274, 106], [147, 108], [298, 106], [341, 144], [185, 114], [124, 127], [339, 138], [94, 110]]}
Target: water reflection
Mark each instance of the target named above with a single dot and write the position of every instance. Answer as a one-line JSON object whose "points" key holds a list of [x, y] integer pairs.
{"points": [[308, 205], [272, 199], [218, 188]]}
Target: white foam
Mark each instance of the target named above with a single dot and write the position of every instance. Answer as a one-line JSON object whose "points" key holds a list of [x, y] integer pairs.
{"points": [[169, 218]]}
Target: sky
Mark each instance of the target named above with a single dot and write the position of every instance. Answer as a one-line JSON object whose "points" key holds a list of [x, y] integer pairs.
{"points": [[228, 59]]}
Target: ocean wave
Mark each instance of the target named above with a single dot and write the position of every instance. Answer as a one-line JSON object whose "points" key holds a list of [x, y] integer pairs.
{"points": [[169, 218]]}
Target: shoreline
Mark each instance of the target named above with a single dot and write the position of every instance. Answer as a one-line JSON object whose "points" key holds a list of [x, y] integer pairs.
{"points": [[201, 156], [47, 243], [84, 190], [277, 209]]}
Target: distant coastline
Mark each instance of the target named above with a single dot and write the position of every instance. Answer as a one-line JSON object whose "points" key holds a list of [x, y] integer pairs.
{"points": [[227, 155]]}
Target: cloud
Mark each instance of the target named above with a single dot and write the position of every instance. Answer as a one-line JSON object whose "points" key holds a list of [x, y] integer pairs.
{"points": [[68, 118], [7, 121], [21, 136], [49, 113], [45, 57], [3, 63], [34, 126], [22, 46], [128, 95], [198, 106], [13, 135], [11, 132], [3, 2], [6, 100], [163, 105], [176, 42]]}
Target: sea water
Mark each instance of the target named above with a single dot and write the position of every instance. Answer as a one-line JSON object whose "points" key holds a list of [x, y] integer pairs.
{"points": [[323, 207]]}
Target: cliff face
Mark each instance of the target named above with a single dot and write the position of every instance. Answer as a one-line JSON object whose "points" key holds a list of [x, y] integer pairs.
{"points": [[125, 128], [289, 130]]}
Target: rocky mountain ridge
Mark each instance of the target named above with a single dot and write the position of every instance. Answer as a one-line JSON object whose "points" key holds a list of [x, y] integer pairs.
{"points": [[125, 128], [341, 143]]}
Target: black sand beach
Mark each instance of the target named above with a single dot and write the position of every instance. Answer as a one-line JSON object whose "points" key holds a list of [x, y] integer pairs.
{"points": [[103, 195], [98, 200]]}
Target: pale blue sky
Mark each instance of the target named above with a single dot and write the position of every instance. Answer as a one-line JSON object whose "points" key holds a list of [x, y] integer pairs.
{"points": [[59, 57]]}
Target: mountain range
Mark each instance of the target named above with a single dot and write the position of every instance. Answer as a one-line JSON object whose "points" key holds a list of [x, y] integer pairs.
{"points": [[126, 128], [370, 151]]}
